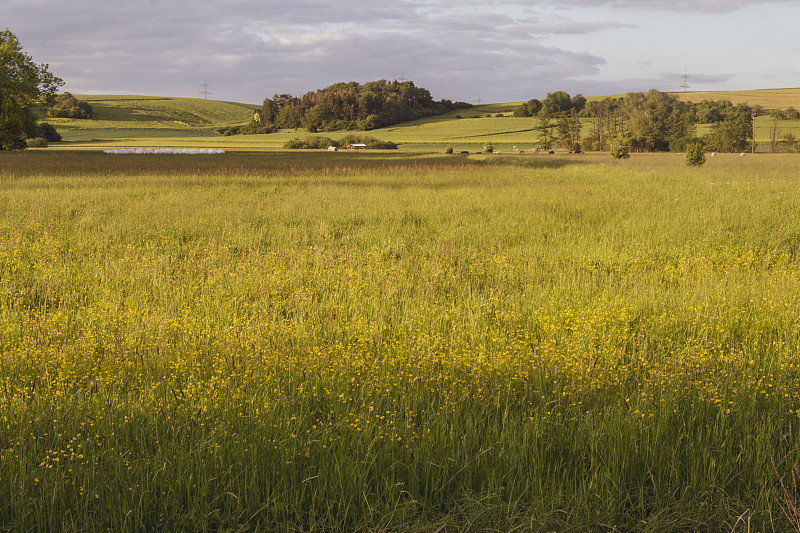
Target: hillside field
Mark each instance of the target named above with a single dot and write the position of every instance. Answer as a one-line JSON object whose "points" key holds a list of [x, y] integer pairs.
{"points": [[136, 121], [399, 342], [767, 98]]}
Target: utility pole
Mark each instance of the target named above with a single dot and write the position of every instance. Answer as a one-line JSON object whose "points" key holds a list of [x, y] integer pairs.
{"points": [[685, 81], [205, 92]]}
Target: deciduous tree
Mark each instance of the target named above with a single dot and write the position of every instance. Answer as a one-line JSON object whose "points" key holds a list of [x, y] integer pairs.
{"points": [[734, 132], [23, 84]]}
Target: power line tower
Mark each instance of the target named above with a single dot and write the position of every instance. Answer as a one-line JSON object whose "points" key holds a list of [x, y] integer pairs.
{"points": [[478, 101], [205, 91], [685, 81], [402, 78]]}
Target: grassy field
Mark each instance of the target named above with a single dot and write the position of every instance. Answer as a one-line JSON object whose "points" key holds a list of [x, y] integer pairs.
{"points": [[398, 342], [766, 98], [162, 122], [119, 117]]}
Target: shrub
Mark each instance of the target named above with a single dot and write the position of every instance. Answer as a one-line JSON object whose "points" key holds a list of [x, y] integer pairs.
{"points": [[679, 145], [49, 133], [377, 144], [621, 146], [324, 142], [488, 147], [67, 106], [254, 128], [695, 154], [448, 150], [310, 143], [371, 142], [36, 142]]}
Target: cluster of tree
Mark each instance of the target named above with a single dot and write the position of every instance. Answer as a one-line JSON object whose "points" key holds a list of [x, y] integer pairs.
{"points": [[651, 121], [347, 106], [325, 142], [638, 122], [67, 106], [790, 113], [783, 141], [733, 132], [23, 85], [558, 119]]}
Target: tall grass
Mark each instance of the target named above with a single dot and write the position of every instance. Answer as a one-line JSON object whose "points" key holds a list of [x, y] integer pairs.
{"points": [[312, 342]]}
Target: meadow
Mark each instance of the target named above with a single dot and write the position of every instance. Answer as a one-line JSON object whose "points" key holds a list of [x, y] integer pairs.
{"points": [[398, 342]]}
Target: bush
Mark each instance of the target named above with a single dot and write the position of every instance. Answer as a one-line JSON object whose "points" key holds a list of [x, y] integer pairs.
{"points": [[11, 140], [448, 150], [695, 153], [792, 113], [310, 143], [488, 147], [377, 144], [67, 106], [621, 146], [371, 142], [254, 128], [36, 142], [679, 145], [49, 133]]}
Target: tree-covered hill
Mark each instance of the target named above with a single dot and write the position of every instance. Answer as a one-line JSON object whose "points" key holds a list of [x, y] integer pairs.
{"points": [[350, 106]]}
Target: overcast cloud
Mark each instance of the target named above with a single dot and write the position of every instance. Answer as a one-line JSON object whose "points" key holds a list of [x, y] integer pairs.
{"points": [[496, 51]]}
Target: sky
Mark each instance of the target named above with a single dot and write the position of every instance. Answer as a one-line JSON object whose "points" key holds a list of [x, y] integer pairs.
{"points": [[470, 50]]}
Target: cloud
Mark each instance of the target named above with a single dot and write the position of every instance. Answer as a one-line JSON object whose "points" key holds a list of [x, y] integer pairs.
{"points": [[709, 79], [690, 6], [696, 6], [257, 48], [250, 49]]}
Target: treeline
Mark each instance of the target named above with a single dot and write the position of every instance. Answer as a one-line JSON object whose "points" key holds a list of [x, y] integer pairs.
{"points": [[645, 122], [347, 106], [319, 142]]}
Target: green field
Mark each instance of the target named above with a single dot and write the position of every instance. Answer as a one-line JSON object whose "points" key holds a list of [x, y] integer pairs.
{"points": [[168, 122], [398, 342], [118, 118]]}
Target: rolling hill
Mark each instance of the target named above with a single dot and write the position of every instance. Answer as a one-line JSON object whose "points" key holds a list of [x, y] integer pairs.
{"points": [[766, 98], [152, 116], [142, 121]]}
